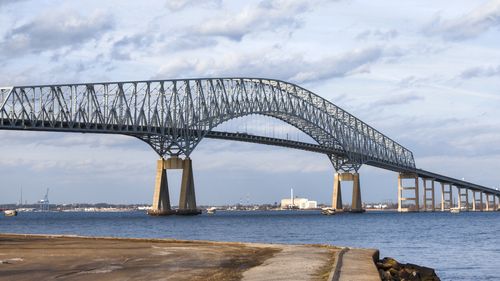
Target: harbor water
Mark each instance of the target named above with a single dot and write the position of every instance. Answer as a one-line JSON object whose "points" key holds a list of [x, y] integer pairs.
{"points": [[464, 246]]}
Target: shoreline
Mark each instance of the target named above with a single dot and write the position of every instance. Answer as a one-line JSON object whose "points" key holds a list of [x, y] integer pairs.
{"points": [[75, 257]]}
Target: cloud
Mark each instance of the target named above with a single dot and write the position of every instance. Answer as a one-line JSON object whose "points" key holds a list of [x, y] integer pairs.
{"points": [[466, 26], [131, 46], [377, 34], [177, 5], [7, 2], [55, 30], [272, 63], [268, 15], [397, 99], [480, 71]]}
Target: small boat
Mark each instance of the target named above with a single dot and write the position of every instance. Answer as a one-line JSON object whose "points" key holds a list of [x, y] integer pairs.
{"points": [[454, 210], [211, 211], [10, 213], [328, 211]]}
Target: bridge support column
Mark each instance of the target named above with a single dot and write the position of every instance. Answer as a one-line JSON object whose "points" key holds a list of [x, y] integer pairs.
{"points": [[463, 198], [356, 205], [337, 193], [187, 200], [488, 206], [429, 201], [474, 200], [446, 197], [402, 188], [161, 198], [481, 199]]}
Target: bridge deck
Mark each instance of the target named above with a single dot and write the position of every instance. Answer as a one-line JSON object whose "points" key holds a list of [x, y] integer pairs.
{"points": [[244, 137]]}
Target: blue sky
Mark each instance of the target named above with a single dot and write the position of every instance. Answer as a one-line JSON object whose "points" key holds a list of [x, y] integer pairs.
{"points": [[426, 73]]}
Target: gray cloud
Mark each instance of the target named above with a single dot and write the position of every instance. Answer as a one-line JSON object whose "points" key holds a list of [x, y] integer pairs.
{"points": [[397, 99], [138, 44], [480, 71], [177, 5], [378, 34], [8, 2], [129, 44], [268, 15], [53, 31], [271, 63], [466, 26]]}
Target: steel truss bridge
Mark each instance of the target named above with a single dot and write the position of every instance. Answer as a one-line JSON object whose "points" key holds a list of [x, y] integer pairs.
{"points": [[173, 116]]}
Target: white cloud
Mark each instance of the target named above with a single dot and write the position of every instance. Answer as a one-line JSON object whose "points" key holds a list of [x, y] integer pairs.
{"points": [[273, 64], [480, 71], [268, 15], [377, 34], [466, 26], [177, 5], [53, 30]]}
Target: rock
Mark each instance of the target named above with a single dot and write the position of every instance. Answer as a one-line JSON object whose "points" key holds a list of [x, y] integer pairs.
{"points": [[391, 270]]}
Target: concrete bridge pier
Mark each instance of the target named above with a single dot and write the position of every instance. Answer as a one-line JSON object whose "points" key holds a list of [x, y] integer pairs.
{"points": [[402, 188], [477, 201], [356, 205], [429, 201], [463, 198], [446, 197], [161, 199], [187, 199]]}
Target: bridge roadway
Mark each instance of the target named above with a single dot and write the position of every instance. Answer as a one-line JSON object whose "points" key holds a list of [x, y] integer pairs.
{"points": [[244, 137]]}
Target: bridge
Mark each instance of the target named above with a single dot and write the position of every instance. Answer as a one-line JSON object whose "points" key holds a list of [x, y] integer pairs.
{"points": [[173, 116]]}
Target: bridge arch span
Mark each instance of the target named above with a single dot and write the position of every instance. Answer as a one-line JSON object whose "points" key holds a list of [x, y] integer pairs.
{"points": [[173, 116]]}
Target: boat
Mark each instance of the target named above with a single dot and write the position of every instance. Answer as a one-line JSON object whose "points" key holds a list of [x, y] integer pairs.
{"points": [[211, 210], [328, 211], [454, 210], [10, 213]]}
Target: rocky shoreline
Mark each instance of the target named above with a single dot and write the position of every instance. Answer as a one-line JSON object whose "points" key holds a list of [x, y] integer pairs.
{"points": [[392, 270]]}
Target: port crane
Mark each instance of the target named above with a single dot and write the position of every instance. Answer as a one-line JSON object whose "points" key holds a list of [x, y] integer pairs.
{"points": [[44, 203]]}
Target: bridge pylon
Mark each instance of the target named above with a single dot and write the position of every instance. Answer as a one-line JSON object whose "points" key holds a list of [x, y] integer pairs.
{"points": [[161, 199], [356, 205], [402, 188]]}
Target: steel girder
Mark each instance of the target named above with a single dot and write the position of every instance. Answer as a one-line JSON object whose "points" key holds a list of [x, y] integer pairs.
{"points": [[173, 116]]}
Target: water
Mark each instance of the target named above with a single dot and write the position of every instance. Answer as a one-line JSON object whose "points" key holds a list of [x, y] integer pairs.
{"points": [[461, 246]]}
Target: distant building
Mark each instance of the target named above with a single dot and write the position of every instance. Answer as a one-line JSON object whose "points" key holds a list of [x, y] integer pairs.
{"points": [[298, 203]]}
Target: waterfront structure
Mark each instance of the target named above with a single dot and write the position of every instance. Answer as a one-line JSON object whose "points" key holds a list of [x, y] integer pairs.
{"points": [[298, 203], [173, 116]]}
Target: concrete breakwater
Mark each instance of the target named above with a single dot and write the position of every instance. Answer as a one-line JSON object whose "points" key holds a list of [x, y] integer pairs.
{"points": [[48, 257]]}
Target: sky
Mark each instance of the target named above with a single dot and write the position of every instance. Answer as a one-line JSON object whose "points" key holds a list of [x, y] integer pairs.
{"points": [[425, 73]]}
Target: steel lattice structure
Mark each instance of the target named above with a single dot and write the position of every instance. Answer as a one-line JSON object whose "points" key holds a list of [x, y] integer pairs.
{"points": [[173, 116]]}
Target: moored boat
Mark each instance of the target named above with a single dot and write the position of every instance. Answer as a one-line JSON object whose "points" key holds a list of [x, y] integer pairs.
{"points": [[454, 210], [328, 211], [211, 210], [10, 213]]}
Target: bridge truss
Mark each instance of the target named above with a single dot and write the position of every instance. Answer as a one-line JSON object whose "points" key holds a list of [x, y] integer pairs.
{"points": [[173, 116]]}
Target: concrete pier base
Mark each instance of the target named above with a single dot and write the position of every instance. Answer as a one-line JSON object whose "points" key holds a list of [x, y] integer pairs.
{"points": [[463, 199], [446, 197], [356, 205], [401, 197], [161, 199], [187, 199], [337, 193], [429, 199]]}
